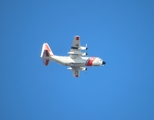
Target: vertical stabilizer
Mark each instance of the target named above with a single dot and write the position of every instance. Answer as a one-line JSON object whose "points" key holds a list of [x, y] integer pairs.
{"points": [[46, 54]]}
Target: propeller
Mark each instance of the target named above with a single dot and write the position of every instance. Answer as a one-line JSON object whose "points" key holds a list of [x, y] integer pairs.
{"points": [[86, 46], [87, 49], [86, 71]]}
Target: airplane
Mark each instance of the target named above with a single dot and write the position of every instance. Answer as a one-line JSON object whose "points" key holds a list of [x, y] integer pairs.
{"points": [[77, 60]]}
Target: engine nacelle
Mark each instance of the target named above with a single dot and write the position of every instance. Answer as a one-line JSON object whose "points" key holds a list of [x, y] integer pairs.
{"points": [[83, 48], [84, 54], [83, 68]]}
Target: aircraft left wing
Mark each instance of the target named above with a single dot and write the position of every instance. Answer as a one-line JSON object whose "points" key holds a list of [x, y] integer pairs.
{"points": [[75, 71]]}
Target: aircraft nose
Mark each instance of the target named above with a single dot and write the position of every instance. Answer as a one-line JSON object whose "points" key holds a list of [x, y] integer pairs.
{"points": [[103, 63]]}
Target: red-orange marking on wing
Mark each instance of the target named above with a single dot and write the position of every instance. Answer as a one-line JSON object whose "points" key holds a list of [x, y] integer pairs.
{"points": [[77, 38]]}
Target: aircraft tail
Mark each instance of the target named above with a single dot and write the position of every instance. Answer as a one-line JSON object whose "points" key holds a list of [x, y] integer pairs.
{"points": [[46, 54]]}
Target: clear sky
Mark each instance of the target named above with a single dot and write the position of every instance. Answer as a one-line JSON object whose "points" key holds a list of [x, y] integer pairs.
{"points": [[119, 31]]}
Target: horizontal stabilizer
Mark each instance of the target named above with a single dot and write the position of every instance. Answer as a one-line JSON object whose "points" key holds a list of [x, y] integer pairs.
{"points": [[46, 62]]}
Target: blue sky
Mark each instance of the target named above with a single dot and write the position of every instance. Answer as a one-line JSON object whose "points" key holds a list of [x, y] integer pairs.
{"points": [[120, 32]]}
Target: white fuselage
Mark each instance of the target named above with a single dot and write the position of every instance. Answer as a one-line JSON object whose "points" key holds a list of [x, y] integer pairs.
{"points": [[77, 61]]}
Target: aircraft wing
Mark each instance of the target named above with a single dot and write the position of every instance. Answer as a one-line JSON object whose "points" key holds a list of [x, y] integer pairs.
{"points": [[76, 72], [75, 51], [76, 44]]}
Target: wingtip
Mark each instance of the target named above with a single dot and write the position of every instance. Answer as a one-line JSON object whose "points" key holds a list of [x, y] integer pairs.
{"points": [[77, 37]]}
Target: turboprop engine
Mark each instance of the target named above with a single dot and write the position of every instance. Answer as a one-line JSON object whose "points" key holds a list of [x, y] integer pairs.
{"points": [[81, 68], [84, 54], [83, 48]]}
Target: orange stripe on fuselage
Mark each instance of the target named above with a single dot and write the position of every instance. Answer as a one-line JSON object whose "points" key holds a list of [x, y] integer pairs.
{"points": [[90, 61]]}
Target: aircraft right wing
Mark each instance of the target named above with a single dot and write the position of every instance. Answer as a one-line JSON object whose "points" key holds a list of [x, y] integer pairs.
{"points": [[76, 72]]}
